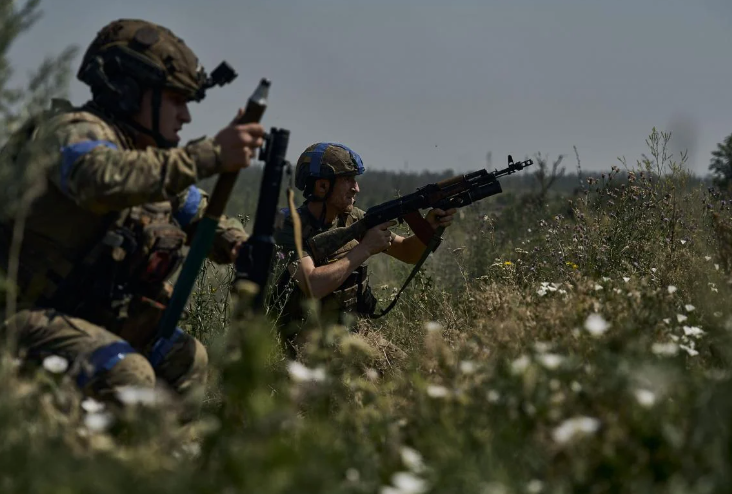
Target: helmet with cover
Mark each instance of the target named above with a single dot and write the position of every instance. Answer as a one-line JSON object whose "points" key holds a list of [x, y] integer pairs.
{"points": [[325, 160], [129, 56]]}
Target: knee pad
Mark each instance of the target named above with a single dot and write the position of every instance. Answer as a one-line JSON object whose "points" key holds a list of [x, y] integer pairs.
{"points": [[133, 370]]}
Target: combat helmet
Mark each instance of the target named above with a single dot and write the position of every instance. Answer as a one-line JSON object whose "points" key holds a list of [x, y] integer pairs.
{"points": [[130, 55], [327, 160]]}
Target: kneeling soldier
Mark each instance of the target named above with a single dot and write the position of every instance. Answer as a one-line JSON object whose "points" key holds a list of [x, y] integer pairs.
{"points": [[119, 203]]}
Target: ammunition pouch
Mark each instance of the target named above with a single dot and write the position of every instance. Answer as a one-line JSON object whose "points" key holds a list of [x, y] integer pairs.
{"points": [[121, 284], [354, 294]]}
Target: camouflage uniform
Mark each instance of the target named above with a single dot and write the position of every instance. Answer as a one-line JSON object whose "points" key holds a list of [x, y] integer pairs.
{"points": [[100, 244], [322, 160]]}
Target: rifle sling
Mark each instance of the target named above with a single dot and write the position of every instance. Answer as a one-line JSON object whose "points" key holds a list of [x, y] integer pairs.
{"points": [[432, 245]]}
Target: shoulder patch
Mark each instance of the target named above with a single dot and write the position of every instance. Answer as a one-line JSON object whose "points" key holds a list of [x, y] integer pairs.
{"points": [[72, 152]]}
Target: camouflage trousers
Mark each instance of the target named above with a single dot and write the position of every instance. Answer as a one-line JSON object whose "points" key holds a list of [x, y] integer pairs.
{"points": [[102, 362]]}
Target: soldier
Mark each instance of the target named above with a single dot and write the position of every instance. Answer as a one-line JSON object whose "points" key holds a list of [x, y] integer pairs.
{"points": [[326, 173], [103, 238]]}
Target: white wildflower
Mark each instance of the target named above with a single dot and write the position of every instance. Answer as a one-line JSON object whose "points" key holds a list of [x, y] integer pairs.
{"points": [[90, 405], [671, 289], [520, 365], [550, 360], [494, 488], [542, 346], [98, 421], [665, 349], [412, 459], [541, 291], [645, 397], [467, 367], [535, 486], [493, 396], [681, 317], [408, 483], [55, 364], [653, 270], [689, 308], [432, 326], [682, 241], [598, 287], [673, 337], [372, 374], [353, 475], [626, 279], [689, 349], [562, 291], [193, 449], [693, 331], [707, 258], [596, 325], [716, 266], [437, 391], [573, 427], [301, 373], [667, 320], [605, 279], [134, 395]]}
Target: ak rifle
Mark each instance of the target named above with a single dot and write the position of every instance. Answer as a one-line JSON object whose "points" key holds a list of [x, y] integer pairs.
{"points": [[455, 192]]}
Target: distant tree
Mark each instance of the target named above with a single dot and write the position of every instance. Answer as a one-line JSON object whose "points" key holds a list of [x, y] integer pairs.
{"points": [[547, 174], [721, 163]]}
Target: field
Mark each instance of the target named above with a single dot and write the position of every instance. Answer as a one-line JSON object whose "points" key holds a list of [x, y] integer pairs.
{"points": [[573, 339]]}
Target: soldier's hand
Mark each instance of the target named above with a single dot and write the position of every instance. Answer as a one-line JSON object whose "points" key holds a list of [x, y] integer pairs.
{"points": [[239, 143], [438, 217], [378, 238], [234, 253]]}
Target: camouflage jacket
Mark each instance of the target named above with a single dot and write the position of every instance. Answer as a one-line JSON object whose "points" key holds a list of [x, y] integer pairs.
{"points": [[90, 168]]}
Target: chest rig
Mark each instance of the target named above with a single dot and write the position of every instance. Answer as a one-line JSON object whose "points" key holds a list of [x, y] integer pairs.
{"points": [[354, 294], [121, 284]]}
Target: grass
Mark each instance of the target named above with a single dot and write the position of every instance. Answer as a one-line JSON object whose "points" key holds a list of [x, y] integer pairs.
{"points": [[575, 344]]}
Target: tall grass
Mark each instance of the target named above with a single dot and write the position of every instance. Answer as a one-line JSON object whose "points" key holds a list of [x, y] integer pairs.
{"points": [[575, 344]]}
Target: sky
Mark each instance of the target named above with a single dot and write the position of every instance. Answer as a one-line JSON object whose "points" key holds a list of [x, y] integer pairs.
{"points": [[430, 85]]}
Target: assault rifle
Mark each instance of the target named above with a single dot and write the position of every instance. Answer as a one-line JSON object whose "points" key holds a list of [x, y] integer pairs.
{"points": [[255, 256], [455, 192]]}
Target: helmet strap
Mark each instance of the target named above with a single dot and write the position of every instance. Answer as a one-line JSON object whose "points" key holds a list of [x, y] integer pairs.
{"points": [[154, 133], [311, 197]]}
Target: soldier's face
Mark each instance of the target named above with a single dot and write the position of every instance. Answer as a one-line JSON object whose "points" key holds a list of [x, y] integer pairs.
{"points": [[173, 114], [343, 197]]}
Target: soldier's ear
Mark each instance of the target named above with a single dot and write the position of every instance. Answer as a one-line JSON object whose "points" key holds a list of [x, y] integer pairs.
{"points": [[321, 187]]}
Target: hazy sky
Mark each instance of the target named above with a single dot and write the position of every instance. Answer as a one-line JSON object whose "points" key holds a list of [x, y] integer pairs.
{"points": [[439, 84]]}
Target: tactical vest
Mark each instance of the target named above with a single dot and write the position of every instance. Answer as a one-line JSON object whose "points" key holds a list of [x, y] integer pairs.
{"points": [[119, 280], [353, 295]]}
